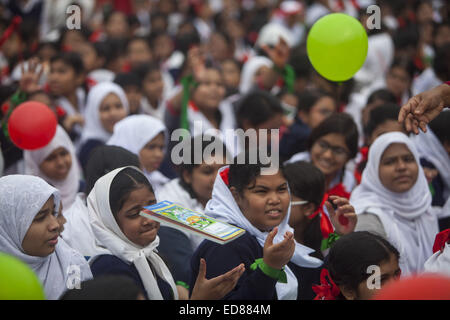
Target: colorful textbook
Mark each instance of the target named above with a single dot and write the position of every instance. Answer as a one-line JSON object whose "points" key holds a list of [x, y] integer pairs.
{"points": [[176, 216]]}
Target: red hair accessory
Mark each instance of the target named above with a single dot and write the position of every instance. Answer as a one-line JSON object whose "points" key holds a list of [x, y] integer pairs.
{"points": [[339, 190], [327, 290], [224, 175], [441, 239], [16, 21], [325, 224]]}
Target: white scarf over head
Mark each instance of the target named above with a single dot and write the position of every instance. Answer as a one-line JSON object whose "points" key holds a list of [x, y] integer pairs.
{"points": [[430, 148], [222, 206], [21, 198], [110, 239], [68, 187], [93, 128], [249, 70], [133, 133], [407, 217]]}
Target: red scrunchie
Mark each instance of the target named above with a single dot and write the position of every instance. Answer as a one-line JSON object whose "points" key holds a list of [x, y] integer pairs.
{"points": [[327, 290], [325, 224]]}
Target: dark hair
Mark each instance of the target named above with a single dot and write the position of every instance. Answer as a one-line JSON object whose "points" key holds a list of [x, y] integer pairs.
{"points": [[406, 65], [107, 287], [441, 62], [406, 37], [339, 123], [125, 182], [203, 141], [71, 59], [241, 175], [104, 159], [125, 79], [440, 126], [352, 254], [145, 69], [299, 61], [139, 38], [308, 98], [308, 183], [379, 115], [257, 107], [381, 94]]}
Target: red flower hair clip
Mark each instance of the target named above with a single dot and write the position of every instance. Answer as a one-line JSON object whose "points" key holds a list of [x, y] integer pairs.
{"points": [[327, 290]]}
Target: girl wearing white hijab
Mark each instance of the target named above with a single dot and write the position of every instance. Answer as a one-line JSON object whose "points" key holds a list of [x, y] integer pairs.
{"points": [[106, 105], [57, 164], [29, 230], [394, 201], [126, 242], [262, 207], [146, 137]]}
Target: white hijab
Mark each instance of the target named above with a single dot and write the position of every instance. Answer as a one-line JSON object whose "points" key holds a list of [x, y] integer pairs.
{"points": [[407, 217], [133, 133], [21, 198], [93, 128], [68, 187], [249, 70], [111, 240], [430, 148], [222, 206]]}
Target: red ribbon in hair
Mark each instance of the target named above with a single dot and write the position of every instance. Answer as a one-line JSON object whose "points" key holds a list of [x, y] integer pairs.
{"points": [[325, 224], [327, 290], [16, 21], [339, 190], [441, 239]]}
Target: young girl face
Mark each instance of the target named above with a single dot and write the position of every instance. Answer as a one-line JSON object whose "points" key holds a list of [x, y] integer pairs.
{"points": [[398, 168], [153, 86], [389, 271], [138, 229], [57, 164], [42, 235], [397, 81], [210, 90], [111, 111], [323, 108], [139, 52], [152, 154], [300, 212], [330, 153], [63, 79], [265, 202]]}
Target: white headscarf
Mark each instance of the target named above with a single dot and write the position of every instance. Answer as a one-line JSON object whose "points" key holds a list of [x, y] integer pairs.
{"points": [[93, 128], [133, 133], [68, 187], [111, 240], [21, 198], [249, 70], [407, 217], [222, 206], [430, 148]]}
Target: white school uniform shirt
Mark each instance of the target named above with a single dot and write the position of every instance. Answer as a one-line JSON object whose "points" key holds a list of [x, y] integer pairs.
{"points": [[68, 187], [223, 207], [110, 239], [21, 198], [408, 218]]}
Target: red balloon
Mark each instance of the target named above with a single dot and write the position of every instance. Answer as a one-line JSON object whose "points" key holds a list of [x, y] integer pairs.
{"points": [[32, 125], [422, 287]]}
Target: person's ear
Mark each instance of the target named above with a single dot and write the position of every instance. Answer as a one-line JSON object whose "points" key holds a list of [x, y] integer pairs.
{"points": [[187, 176], [349, 294], [235, 194], [80, 79], [309, 209]]}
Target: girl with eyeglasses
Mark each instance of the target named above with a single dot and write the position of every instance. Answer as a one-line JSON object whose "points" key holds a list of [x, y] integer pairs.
{"points": [[331, 145]]}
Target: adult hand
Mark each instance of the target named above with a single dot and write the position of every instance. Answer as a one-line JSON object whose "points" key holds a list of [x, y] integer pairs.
{"points": [[424, 107], [344, 219], [215, 288], [279, 254]]}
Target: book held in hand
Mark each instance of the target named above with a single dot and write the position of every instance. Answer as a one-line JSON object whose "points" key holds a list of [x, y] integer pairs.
{"points": [[178, 217]]}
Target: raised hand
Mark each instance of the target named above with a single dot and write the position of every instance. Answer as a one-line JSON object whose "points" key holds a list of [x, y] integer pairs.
{"points": [[424, 107], [344, 219], [215, 288], [278, 255], [278, 54], [29, 81]]}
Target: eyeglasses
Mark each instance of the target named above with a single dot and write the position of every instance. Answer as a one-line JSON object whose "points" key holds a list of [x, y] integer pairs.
{"points": [[297, 203], [338, 152]]}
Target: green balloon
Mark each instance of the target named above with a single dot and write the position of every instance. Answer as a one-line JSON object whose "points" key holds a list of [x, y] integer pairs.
{"points": [[18, 281], [337, 46]]}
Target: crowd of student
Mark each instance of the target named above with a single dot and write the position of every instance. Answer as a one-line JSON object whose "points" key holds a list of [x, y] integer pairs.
{"points": [[354, 189]]}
